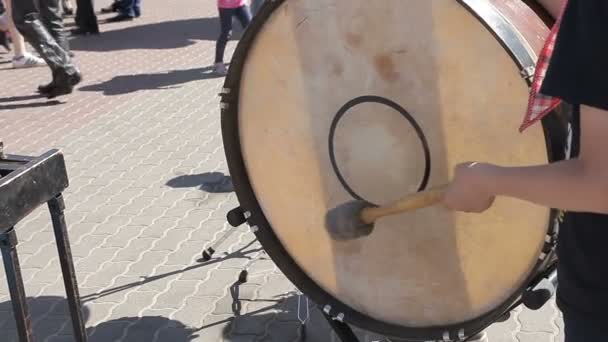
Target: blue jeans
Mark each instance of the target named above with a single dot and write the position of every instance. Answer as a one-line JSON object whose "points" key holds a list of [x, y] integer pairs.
{"points": [[131, 8], [243, 14]]}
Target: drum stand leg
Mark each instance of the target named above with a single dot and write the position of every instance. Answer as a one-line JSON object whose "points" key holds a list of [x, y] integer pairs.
{"points": [[245, 272], [8, 244], [57, 207], [235, 217], [342, 330]]}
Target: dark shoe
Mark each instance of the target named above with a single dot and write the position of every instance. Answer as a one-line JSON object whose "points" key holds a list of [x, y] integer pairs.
{"points": [[63, 83], [46, 88], [110, 9], [119, 18]]}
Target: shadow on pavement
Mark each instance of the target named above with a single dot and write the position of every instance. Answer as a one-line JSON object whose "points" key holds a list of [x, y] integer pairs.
{"points": [[212, 182], [52, 320], [155, 36], [126, 84], [17, 102]]}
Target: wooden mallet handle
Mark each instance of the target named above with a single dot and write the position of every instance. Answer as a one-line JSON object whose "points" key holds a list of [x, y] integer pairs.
{"points": [[412, 202]]}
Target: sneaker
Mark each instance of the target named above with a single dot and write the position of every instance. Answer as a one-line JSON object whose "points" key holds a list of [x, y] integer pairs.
{"points": [[220, 69], [28, 61]]}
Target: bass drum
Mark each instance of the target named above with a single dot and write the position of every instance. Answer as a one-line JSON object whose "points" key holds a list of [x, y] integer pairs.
{"points": [[330, 100]]}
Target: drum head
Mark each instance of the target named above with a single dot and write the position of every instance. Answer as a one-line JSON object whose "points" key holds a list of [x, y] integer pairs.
{"points": [[376, 100]]}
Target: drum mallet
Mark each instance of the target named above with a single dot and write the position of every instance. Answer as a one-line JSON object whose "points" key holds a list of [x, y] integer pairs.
{"points": [[356, 219]]}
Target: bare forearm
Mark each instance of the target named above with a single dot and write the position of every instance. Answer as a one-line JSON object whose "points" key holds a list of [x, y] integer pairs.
{"points": [[567, 185]]}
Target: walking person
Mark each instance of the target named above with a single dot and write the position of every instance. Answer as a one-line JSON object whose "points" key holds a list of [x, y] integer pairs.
{"points": [[42, 27], [86, 20], [127, 10], [21, 58], [228, 9]]}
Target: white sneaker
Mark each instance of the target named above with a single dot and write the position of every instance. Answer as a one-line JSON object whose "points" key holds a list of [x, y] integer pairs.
{"points": [[28, 61], [220, 69]]}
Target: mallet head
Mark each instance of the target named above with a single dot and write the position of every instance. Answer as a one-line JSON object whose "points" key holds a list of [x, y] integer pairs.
{"points": [[344, 221]]}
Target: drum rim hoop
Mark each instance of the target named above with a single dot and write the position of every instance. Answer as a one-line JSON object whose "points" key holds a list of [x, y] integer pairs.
{"points": [[554, 135]]}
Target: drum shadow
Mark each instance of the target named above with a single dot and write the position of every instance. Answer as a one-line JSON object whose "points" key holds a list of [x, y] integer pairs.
{"points": [[280, 320], [51, 320], [212, 182], [242, 253], [321, 55]]}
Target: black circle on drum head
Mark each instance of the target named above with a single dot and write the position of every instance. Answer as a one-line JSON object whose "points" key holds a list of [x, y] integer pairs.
{"points": [[381, 100]]}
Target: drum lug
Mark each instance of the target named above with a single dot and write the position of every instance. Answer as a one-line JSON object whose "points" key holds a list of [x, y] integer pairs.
{"points": [[551, 239], [527, 73], [461, 334], [225, 94], [540, 293], [237, 217], [327, 311]]}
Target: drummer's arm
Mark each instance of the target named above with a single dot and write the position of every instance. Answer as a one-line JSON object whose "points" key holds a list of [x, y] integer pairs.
{"points": [[574, 185]]}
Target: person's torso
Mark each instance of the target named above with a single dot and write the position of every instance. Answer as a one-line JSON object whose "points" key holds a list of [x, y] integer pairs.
{"points": [[582, 252]]}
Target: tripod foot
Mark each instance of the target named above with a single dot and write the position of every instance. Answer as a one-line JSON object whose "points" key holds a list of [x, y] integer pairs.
{"points": [[208, 253], [243, 276]]}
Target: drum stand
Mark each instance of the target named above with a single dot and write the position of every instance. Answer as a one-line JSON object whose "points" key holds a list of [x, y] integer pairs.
{"points": [[235, 218], [25, 184], [536, 296]]}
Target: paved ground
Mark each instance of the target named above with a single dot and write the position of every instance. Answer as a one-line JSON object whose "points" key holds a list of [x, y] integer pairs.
{"points": [[143, 146]]}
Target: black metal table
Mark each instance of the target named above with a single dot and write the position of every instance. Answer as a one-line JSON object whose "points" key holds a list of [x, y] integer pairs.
{"points": [[25, 184]]}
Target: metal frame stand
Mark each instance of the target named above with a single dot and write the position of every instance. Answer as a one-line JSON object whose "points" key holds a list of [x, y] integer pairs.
{"points": [[57, 207], [8, 244], [25, 184]]}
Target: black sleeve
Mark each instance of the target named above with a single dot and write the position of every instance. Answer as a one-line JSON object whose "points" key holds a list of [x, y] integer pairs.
{"points": [[578, 72]]}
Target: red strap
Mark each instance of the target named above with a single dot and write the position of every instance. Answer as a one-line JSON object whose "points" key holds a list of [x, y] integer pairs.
{"points": [[540, 105]]}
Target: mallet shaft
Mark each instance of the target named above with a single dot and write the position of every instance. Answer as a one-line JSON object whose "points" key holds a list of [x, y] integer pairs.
{"points": [[412, 202]]}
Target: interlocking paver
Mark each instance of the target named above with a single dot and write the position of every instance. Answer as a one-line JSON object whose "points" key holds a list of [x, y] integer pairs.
{"points": [[143, 146]]}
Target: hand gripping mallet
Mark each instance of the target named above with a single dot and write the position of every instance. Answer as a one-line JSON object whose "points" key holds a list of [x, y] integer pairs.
{"points": [[356, 219]]}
